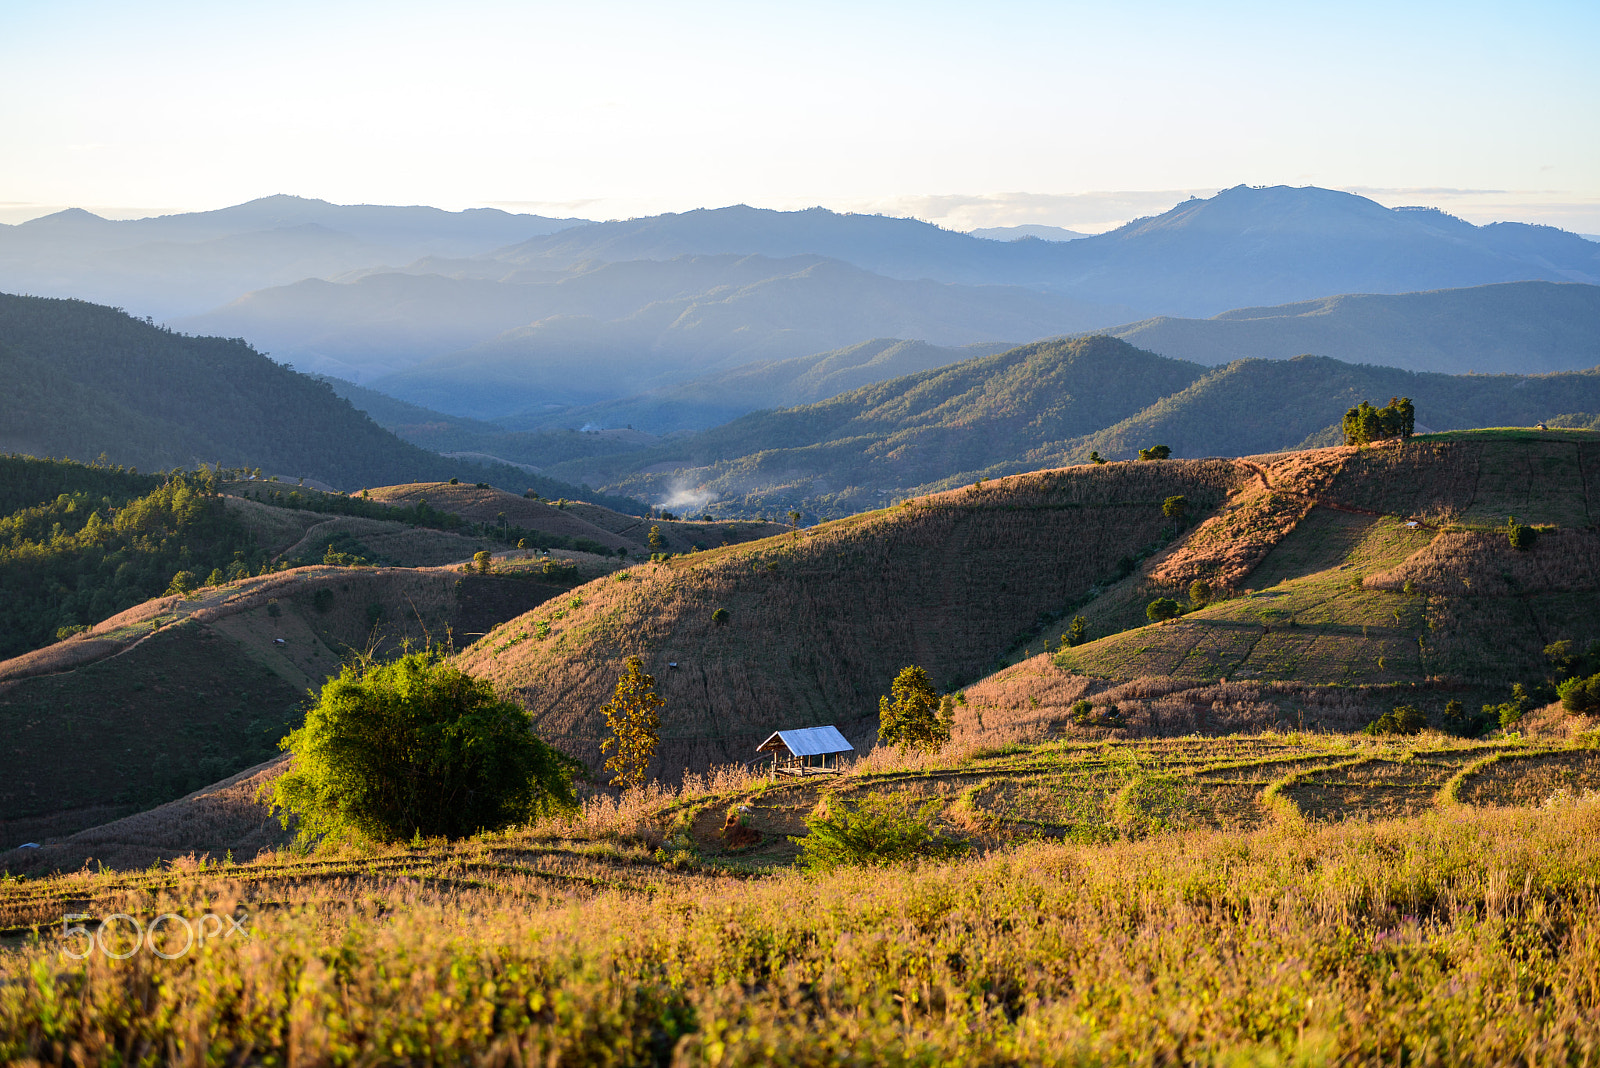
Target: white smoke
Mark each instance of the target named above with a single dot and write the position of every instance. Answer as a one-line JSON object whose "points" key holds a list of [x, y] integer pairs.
{"points": [[684, 498]]}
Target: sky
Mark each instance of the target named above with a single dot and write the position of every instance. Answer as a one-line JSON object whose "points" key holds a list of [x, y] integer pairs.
{"points": [[992, 114]]}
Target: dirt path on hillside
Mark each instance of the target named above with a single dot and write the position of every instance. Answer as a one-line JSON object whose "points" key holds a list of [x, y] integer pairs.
{"points": [[1261, 473]]}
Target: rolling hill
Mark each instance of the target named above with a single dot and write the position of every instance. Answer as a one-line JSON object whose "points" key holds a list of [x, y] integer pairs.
{"points": [[1264, 405], [1507, 328], [86, 380], [1309, 563], [1037, 406]]}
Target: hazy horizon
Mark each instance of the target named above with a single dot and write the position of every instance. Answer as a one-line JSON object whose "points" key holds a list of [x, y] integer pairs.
{"points": [[1070, 115]]}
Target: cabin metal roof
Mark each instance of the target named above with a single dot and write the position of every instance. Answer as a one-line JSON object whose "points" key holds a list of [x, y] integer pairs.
{"points": [[808, 741]]}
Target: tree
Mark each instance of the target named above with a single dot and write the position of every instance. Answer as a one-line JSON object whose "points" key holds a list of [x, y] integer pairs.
{"points": [[720, 617], [1175, 508], [1078, 632], [182, 584], [481, 561], [1521, 536], [1199, 593], [1155, 452], [1365, 424], [1095, 457], [657, 542], [1162, 609], [914, 719], [635, 722], [794, 518], [417, 747]]}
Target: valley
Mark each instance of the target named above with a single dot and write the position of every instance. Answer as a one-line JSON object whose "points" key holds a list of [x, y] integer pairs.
{"points": [[1179, 711]]}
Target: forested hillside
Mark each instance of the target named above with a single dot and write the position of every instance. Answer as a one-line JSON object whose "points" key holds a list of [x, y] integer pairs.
{"points": [[85, 380], [103, 541], [847, 453], [1262, 405], [1048, 404]]}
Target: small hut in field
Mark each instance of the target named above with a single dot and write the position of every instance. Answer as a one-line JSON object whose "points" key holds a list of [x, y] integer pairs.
{"points": [[807, 751]]}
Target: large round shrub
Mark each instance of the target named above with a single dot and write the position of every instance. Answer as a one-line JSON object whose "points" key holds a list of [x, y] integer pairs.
{"points": [[416, 746]]}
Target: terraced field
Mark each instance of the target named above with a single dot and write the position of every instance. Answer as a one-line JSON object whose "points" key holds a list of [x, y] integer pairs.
{"points": [[1083, 792]]}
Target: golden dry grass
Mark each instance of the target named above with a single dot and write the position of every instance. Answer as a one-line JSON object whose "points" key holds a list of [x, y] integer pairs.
{"points": [[1188, 900]]}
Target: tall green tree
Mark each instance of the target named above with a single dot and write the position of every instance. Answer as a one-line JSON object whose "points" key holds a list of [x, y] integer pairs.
{"points": [[914, 719], [634, 718]]}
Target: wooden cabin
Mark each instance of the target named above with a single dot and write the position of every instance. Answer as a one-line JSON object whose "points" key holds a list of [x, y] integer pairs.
{"points": [[807, 751]]}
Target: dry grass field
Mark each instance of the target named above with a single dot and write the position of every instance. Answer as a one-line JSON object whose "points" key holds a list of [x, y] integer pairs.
{"points": [[1257, 899]]}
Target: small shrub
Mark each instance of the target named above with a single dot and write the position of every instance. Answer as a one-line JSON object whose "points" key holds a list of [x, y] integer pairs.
{"points": [[720, 617], [1155, 452], [455, 482], [1162, 609], [273, 608], [1580, 695], [322, 600], [1402, 719], [1199, 593], [1085, 714], [1521, 536], [881, 829]]}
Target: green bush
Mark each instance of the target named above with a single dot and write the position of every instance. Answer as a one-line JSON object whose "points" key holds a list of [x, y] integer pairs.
{"points": [[1199, 593], [1155, 452], [1580, 695], [1163, 608], [1175, 508], [1084, 714], [720, 617], [882, 829], [1521, 536], [1402, 719], [416, 747]]}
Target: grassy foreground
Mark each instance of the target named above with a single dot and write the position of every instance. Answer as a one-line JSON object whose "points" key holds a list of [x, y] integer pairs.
{"points": [[1459, 934]]}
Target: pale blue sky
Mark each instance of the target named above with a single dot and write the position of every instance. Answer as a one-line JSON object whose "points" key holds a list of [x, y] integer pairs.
{"points": [[967, 114]]}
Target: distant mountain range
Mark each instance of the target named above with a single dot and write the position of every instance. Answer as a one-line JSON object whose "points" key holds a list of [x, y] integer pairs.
{"points": [[170, 266], [535, 321], [1019, 233], [613, 329], [1506, 328]]}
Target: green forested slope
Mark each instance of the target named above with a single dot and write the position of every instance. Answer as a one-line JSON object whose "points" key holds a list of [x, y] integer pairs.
{"points": [[1254, 406], [842, 454], [83, 379]]}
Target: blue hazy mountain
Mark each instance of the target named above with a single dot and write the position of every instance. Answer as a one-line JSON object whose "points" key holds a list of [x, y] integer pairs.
{"points": [[173, 265]]}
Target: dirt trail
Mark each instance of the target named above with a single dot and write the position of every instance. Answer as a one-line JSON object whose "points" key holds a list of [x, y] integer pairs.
{"points": [[1261, 473]]}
